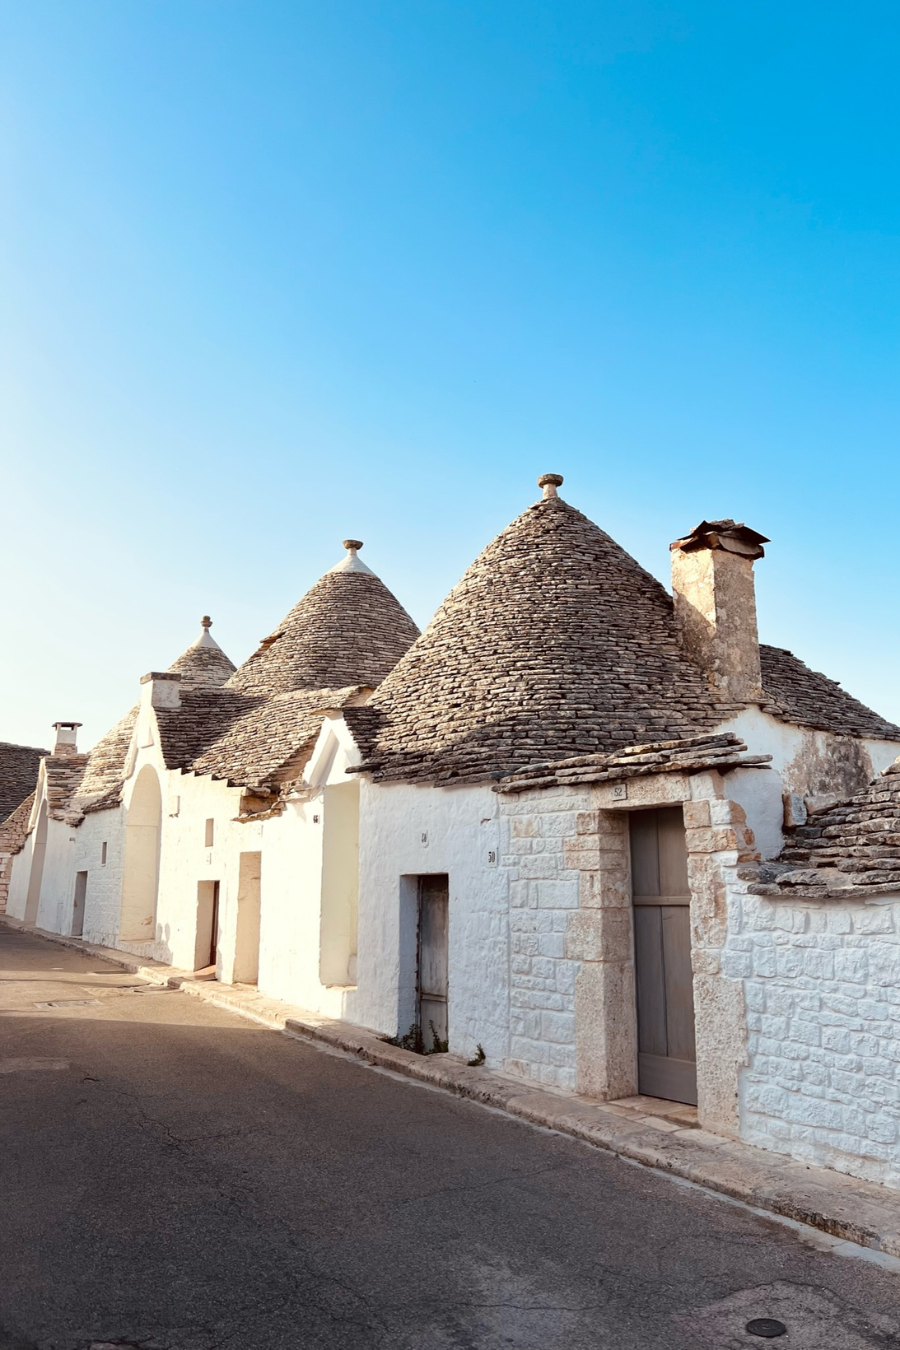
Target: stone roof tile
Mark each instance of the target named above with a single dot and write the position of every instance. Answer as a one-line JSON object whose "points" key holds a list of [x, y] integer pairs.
{"points": [[852, 845], [19, 766], [246, 739], [338, 642], [348, 629], [555, 642], [808, 699]]}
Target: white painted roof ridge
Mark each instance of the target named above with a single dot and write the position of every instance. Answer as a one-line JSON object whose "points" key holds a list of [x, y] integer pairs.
{"points": [[352, 562]]}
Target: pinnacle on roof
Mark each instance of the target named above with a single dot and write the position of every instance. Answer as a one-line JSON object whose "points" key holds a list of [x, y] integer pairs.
{"points": [[352, 563], [550, 482], [555, 642], [204, 664], [347, 630]]}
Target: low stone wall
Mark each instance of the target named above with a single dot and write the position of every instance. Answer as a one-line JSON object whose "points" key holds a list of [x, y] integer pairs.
{"points": [[822, 984]]}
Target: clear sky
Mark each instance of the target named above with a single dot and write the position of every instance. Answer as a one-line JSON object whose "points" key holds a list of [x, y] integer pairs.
{"points": [[273, 274]]}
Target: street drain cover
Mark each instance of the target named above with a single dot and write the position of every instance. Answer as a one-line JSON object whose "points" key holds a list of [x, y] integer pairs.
{"points": [[810, 1318], [767, 1327], [68, 1003]]}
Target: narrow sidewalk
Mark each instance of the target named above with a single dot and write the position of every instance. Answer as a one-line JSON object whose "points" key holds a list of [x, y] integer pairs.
{"points": [[846, 1208]]}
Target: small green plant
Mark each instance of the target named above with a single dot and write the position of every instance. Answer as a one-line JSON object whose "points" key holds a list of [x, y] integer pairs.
{"points": [[413, 1040], [479, 1059]]}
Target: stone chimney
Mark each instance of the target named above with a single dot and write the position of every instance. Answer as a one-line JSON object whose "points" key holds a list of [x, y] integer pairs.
{"points": [[715, 604], [160, 689], [66, 738]]}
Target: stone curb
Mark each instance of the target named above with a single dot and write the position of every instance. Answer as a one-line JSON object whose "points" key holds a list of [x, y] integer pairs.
{"points": [[845, 1207]]}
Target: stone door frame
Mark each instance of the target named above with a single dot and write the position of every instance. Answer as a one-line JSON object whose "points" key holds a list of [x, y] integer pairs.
{"points": [[600, 936]]}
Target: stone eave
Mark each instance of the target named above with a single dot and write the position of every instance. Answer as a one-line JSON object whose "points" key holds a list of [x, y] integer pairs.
{"points": [[773, 892]]}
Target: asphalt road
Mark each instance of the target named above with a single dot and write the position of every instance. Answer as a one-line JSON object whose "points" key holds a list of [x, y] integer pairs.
{"points": [[175, 1178]]}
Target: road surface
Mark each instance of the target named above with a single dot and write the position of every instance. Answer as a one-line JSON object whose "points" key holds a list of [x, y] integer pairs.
{"points": [[175, 1178]]}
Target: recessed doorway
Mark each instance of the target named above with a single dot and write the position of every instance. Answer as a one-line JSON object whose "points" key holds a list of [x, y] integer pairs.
{"points": [[206, 948], [432, 966], [78, 905], [667, 1056]]}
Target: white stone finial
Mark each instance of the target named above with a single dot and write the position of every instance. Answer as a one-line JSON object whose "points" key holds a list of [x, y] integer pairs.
{"points": [[352, 562], [206, 638], [550, 482]]}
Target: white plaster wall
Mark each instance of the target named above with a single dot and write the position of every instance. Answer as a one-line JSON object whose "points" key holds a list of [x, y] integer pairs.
{"points": [[103, 897], [803, 761], [58, 881], [290, 897], [462, 828], [54, 911], [292, 880], [822, 986], [18, 881], [185, 860]]}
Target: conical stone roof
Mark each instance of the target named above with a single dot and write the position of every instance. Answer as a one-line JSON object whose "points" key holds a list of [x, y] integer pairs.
{"points": [[349, 629], [555, 642], [204, 665]]}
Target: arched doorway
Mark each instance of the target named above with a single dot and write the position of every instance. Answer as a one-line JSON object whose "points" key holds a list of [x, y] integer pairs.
{"points": [[36, 875], [140, 882]]}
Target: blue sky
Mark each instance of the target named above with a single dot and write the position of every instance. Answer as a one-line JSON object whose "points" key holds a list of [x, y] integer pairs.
{"points": [[272, 274]]}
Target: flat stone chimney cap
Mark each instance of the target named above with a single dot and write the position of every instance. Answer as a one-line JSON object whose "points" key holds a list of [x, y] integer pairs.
{"points": [[160, 675], [731, 535], [550, 482], [70, 726]]}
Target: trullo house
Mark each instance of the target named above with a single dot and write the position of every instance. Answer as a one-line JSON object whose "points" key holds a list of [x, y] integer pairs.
{"points": [[595, 827]]}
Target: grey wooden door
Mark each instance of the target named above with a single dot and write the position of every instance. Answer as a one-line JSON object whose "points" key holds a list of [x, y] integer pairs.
{"points": [[434, 907], [667, 1057], [78, 907]]}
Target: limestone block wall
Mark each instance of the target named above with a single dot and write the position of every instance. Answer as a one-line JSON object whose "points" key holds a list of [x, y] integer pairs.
{"points": [[573, 1018], [822, 985], [544, 894]]}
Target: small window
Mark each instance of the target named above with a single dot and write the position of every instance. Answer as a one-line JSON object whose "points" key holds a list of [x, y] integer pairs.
{"points": [[210, 833], [103, 854]]}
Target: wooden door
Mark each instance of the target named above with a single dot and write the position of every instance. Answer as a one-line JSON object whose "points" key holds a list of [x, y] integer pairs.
{"points": [[214, 926], [667, 1058], [434, 894], [207, 940], [78, 908]]}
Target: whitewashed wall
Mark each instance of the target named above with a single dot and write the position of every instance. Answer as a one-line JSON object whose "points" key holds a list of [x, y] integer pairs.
{"points": [[104, 883], [18, 881], [822, 986], [461, 829], [804, 762], [58, 882], [186, 860]]}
